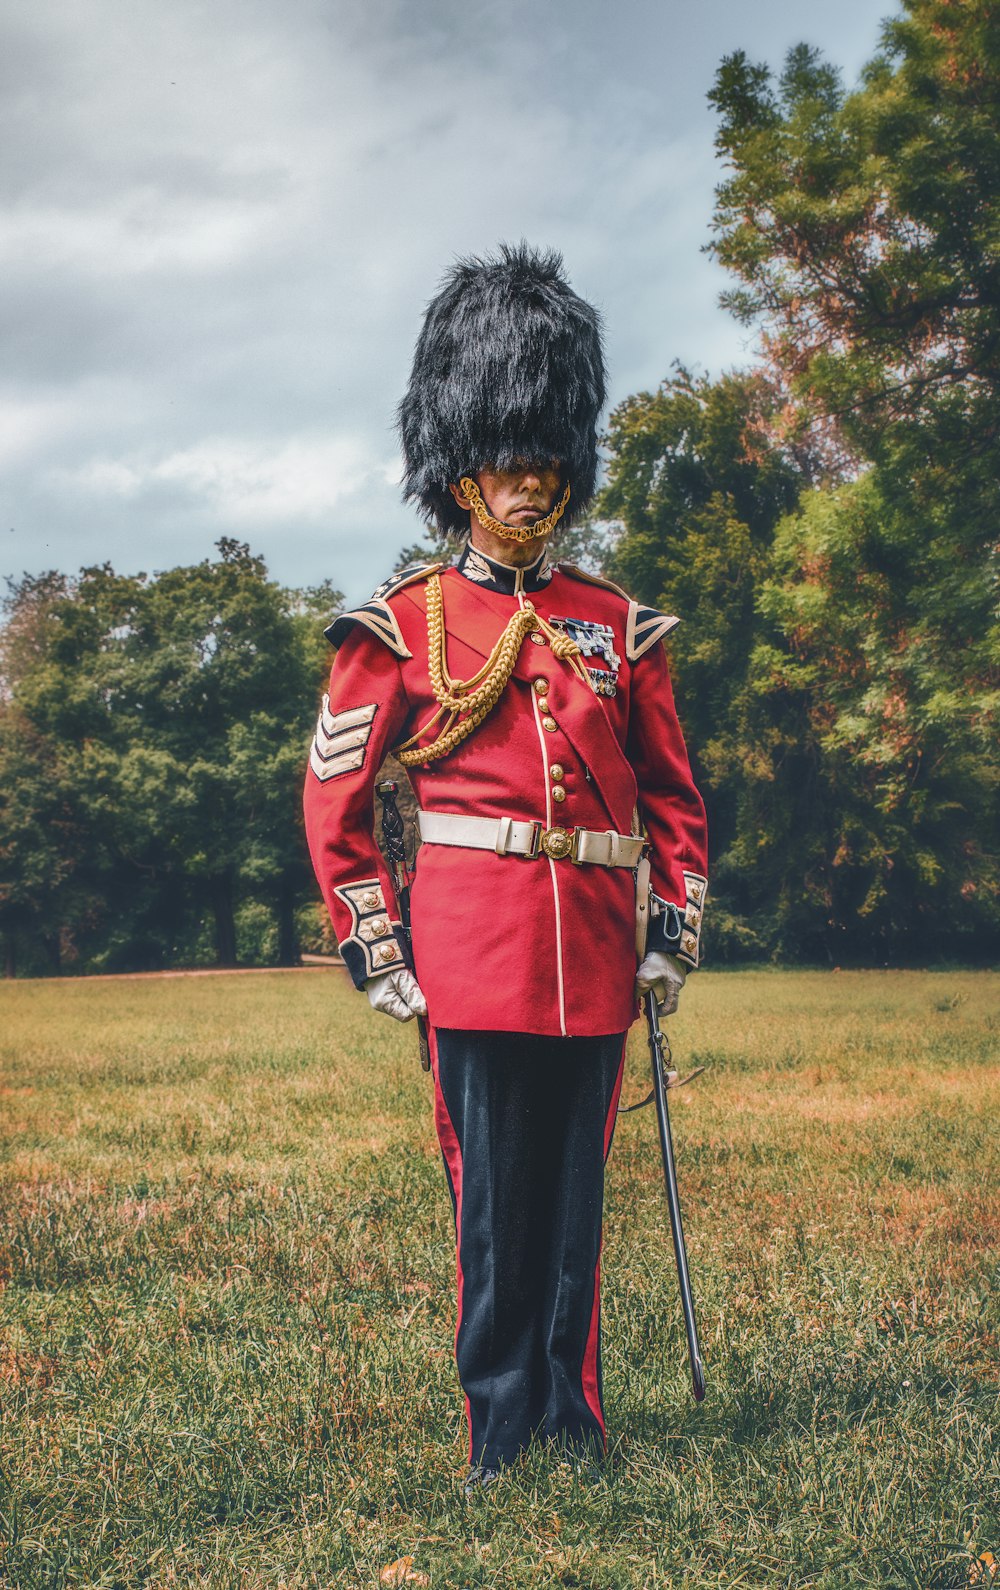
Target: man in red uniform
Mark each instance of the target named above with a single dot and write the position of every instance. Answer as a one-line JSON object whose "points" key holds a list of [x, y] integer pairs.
{"points": [[531, 703]]}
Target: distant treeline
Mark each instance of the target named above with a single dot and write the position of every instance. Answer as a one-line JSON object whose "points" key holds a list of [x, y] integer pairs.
{"points": [[153, 736], [824, 522]]}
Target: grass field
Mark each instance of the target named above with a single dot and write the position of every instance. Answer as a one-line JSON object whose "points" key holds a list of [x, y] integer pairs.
{"points": [[227, 1309]]}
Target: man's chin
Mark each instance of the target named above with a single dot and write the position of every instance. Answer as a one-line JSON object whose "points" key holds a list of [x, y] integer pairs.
{"points": [[528, 551]]}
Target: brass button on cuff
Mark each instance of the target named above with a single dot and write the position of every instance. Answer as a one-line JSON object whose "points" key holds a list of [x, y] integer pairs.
{"points": [[549, 725], [557, 771], [540, 686], [558, 793], [386, 953]]}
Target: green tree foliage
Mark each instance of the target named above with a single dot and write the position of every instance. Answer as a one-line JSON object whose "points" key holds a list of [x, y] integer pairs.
{"points": [[881, 693], [838, 668], [152, 738], [698, 484], [49, 871], [864, 228]]}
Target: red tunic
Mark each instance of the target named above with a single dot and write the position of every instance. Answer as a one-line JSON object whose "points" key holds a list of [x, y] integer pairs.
{"points": [[507, 943]]}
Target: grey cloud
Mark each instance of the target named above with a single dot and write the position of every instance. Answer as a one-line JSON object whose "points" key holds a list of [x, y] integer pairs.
{"points": [[221, 224]]}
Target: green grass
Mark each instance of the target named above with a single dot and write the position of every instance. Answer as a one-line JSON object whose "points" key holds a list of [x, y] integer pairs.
{"points": [[228, 1309]]}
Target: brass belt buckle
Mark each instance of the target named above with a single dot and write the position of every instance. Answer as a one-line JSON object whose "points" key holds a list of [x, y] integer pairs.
{"points": [[558, 843]]}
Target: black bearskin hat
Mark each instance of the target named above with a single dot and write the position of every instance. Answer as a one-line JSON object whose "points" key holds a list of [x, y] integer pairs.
{"points": [[508, 366]]}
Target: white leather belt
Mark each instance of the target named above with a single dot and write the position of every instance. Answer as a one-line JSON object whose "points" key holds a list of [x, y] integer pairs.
{"points": [[507, 837]]}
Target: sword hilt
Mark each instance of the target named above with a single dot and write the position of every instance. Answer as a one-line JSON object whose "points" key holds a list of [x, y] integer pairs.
{"points": [[392, 823]]}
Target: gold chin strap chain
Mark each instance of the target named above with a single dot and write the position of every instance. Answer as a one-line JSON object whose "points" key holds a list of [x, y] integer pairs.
{"points": [[511, 532], [476, 697]]}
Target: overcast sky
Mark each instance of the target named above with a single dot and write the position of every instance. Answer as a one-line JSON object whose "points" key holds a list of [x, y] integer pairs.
{"points": [[222, 219]]}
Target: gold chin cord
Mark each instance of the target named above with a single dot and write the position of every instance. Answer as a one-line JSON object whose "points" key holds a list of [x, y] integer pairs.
{"points": [[511, 532], [475, 697]]}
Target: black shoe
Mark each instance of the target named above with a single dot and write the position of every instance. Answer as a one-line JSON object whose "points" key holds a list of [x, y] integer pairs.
{"points": [[480, 1478]]}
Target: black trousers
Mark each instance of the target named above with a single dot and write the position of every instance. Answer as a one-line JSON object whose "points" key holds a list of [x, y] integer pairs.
{"points": [[525, 1126]]}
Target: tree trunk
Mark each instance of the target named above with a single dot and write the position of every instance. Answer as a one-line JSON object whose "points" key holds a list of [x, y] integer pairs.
{"points": [[9, 955], [52, 943], [288, 944], [221, 898]]}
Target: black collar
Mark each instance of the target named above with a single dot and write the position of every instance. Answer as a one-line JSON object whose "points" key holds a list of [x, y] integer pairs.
{"points": [[492, 576]]}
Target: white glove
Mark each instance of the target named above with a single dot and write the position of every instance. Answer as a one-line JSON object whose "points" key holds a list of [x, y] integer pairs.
{"points": [[664, 975], [397, 993]]}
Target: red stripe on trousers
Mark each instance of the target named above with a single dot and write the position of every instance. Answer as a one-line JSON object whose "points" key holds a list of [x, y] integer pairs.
{"points": [[451, 1149], [589, 1372]]}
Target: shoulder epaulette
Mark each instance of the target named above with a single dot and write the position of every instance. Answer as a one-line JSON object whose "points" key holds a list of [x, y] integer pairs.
{"points": [[644, 626], [407, 576], [377, 615]]}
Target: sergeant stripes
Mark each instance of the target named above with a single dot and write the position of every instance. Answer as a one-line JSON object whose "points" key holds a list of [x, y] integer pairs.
{"points": [[341, 740]]}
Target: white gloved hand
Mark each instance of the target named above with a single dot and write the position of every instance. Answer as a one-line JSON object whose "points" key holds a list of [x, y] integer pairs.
{"points": [[397, 993], [664, 975]]}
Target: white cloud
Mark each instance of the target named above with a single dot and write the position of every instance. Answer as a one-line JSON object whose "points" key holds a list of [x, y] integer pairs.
{"points": [[30, 424], [132, 235], [242, 481]]}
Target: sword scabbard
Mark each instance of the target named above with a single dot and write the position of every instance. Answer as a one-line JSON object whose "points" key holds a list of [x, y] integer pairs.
{"points": [[659, 1050]]}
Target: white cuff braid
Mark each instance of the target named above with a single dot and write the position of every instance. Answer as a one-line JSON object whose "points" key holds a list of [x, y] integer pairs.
{"points": [[396, 993], [664, 975]]}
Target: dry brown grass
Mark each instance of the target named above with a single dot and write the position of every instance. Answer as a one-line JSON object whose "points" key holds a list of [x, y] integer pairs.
{"points": [[227, 1305]]}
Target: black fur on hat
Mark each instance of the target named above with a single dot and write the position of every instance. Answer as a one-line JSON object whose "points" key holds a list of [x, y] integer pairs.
{"points": [[509, 365]]}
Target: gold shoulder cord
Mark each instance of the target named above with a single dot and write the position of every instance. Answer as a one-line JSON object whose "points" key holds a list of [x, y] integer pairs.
{"points": [[476, 697]]}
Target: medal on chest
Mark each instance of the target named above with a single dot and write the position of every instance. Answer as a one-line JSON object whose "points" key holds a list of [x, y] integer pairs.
{"points": [[594, 640]]}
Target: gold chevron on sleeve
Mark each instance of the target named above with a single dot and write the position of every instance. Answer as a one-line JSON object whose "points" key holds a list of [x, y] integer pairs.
{"points": [[644, 627]]}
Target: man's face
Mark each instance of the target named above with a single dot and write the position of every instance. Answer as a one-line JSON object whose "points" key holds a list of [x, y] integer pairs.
{"points": [[517, 497], [521, 496]]}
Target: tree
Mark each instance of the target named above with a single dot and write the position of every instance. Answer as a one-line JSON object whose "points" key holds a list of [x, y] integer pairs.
{"points": [[697, 485], [863, 230], [49, 889], [176, 713], [868, 815]]}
